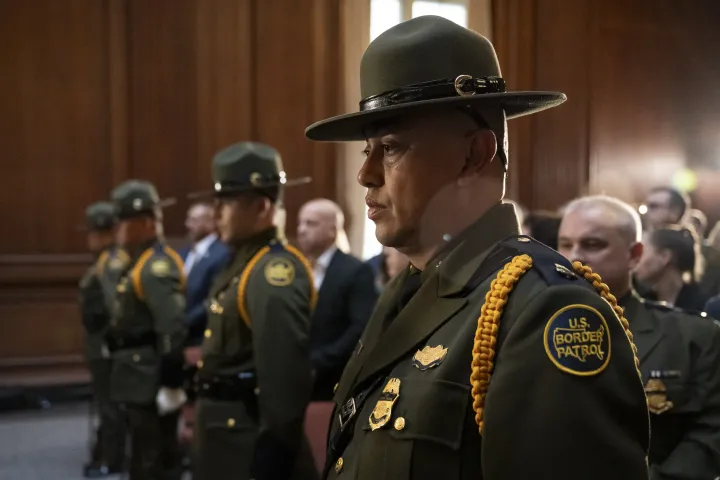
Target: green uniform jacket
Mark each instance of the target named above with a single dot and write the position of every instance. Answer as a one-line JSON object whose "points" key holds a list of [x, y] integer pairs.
{"points": [[97, 288], [258, 327], [148, 329], [680, 363], [565, 400]]}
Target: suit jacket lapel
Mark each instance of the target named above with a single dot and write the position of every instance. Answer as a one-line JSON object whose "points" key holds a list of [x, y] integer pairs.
{"points": [[370, 336], [331, 273], [424, 314], [646, 334]]}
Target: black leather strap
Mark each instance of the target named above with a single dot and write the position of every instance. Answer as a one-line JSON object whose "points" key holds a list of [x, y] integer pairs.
{"points": [[463, 85]]}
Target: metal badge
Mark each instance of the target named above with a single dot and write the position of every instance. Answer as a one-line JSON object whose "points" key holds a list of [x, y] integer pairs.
{"points": [[429, 357], [657, 397], [383, 408]]}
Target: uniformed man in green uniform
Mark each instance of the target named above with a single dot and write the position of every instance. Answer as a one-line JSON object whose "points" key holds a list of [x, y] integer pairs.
{"points": [[96, 289], [147, 333], [679, 352], [254, 378], [491, 356]]}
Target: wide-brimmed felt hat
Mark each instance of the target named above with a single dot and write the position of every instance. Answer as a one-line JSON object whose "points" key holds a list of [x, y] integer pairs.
{"points": [[429, 61], [249, 166], [137, 197], [99, 216]]}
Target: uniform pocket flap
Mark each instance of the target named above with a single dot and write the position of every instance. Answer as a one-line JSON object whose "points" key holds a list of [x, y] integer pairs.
{"points": [[434, 411]]}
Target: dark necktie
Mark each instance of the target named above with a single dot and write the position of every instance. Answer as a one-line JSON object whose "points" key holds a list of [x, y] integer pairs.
{"points": [[409, 288]]}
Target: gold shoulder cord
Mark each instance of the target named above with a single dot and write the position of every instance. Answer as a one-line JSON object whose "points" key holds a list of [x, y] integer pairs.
{"points": [[245, 278], [101, 261], [136, 273], [489, 323]]}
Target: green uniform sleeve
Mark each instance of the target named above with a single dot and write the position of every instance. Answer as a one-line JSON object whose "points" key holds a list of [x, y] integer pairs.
{"points": [[163, 294], [698, 453], [92, 303], [565, 400], [278, 300]]}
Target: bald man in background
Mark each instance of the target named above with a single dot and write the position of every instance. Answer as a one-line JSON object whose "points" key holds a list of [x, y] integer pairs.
{"points": [[346, 292], [679, 352]]}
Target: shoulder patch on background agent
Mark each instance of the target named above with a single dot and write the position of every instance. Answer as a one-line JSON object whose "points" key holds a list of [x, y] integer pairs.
{"points": [[577, 340], [279, 272], [160, 267]]}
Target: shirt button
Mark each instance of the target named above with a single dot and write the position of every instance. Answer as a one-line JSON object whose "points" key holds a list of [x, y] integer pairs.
{"points": [[339, 465], [399, 423], [208, 333]]}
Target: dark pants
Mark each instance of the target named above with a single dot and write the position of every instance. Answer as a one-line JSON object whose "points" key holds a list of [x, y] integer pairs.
{"points": [[224, 444], [110, 446], [154, 443]]}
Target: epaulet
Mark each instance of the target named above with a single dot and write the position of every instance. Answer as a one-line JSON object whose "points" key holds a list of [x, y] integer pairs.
{"points": [[662, 306], [275, 247], [101, 261], [549, 264], [160, 250]]}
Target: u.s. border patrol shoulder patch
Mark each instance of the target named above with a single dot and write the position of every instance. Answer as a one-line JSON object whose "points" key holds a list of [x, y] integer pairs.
{"points": [[160, 267], [279, 272], [577, 340]]}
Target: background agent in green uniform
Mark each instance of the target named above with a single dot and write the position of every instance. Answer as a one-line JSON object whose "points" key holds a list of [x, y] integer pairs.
{"points": [[96, 289], [147, 334], [490, 358], [254, 376], [679, 352]]}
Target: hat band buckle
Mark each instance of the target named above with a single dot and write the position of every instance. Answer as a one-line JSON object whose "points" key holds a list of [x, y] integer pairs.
{"points": [[462, 85]]}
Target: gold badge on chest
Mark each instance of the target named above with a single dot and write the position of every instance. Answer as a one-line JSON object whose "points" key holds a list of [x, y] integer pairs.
{"points": [[382, 412], [429, 357], [657, 397]]}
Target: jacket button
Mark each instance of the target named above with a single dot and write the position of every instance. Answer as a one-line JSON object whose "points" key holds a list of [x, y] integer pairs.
{"points": [[231, 422], [336, 387], [136, 358], [208, 333], [199, 364], [399, 423], [339, 465]]}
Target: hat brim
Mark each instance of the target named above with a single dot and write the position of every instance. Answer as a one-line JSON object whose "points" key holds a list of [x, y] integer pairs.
{"points": [[350, 127], [246, 188]]}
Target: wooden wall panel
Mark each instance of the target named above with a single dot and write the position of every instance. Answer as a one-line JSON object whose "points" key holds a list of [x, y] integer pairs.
{"points": [[162, 101], [296, 72], [642, 98], [53, 121], [107, 90]]}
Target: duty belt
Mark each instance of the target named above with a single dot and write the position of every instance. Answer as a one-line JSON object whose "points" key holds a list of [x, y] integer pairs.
{"points": [[122, 343], [347, 416], [237, 388]]}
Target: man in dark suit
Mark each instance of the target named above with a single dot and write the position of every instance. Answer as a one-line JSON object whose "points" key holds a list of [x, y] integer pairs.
{"points": [[346, 293], [204, 258]]}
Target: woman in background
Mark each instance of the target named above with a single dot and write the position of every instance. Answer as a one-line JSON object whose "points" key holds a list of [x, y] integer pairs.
{"points": [[669, 267]]}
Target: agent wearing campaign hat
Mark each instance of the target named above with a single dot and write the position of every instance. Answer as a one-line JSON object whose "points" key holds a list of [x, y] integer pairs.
{"points": [[147, 333], [491, 356], [254, 377], [97, 288]]}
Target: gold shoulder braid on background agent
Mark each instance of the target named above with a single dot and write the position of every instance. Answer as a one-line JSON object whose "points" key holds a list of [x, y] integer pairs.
{"points": [[245, 277], [489, 323]]}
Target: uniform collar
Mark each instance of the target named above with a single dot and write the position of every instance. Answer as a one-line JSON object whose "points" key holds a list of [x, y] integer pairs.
{"points": [[636, 312], [458, 260]]}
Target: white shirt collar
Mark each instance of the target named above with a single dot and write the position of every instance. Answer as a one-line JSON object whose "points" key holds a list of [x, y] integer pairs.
{"points": [[201, 247], [323, 260]]}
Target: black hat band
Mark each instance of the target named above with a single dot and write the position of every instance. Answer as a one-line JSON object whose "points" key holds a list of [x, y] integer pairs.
{"points": [[463, 85]]}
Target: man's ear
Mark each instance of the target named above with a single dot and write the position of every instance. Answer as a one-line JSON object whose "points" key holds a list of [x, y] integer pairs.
{"points": [[481, 150], [636, 251]]}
